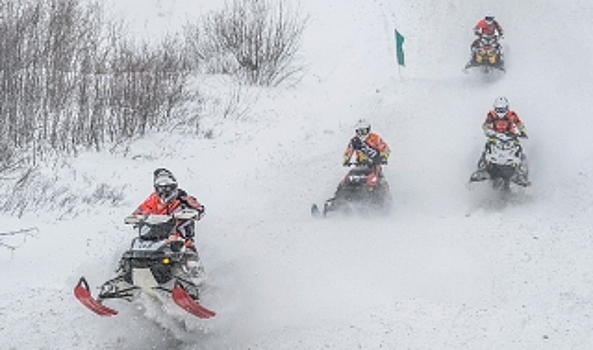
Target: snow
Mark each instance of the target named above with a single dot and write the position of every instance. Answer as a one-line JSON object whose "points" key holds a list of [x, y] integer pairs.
{"points": [[447, 270]]}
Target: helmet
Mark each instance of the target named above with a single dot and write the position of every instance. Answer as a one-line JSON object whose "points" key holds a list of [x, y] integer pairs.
{"points": [[501, 106], [363, 129], [489, 17], [165, 185], [161, 172]]}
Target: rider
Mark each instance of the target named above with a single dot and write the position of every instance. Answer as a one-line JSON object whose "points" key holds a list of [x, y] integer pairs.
{"points": [[501, 119], [487, 28], [167, 199], [368, 147]]}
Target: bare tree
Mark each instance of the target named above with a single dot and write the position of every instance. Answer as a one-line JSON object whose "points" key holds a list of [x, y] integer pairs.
{"points": [[70, 79], [261, 37]]}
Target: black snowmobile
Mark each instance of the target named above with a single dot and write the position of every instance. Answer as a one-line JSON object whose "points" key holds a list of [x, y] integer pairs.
{"points": [[158, 262], [363, 189]]}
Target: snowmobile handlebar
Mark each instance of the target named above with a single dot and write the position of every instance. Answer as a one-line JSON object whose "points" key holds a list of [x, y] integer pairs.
{"points": [[367, 164], [503, 136], [355, 164], [184, 214]]}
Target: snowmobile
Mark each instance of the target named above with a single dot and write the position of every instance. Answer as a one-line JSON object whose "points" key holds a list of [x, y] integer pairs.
{"points": [[486, 54], [361, 189], [157, 263], [503, 162]]}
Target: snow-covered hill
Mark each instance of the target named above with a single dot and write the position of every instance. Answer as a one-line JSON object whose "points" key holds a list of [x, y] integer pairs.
{"points": [[447, 270]]}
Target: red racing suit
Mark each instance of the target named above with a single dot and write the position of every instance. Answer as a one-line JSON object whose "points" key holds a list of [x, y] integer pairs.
{"points": [[373, 149], [509, 124], [489, 29], [154, 205]]}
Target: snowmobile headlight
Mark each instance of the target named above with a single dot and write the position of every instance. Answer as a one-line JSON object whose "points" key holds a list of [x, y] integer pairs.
{"points": [[166, 260]]}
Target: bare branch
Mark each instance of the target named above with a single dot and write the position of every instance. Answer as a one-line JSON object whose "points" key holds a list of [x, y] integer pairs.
{"points": [[27, 232]]}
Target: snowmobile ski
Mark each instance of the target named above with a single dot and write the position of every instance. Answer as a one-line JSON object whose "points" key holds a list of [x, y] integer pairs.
{"points": [[315, 211], [83, 294], [185, 301]]}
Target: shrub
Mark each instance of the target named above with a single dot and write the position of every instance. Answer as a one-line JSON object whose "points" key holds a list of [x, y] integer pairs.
{"points": [[254, 40]]}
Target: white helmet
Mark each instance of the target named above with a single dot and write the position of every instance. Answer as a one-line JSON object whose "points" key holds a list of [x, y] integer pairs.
{"points": [[501, 106], [489, 17], [165, 185], [363, 129]]}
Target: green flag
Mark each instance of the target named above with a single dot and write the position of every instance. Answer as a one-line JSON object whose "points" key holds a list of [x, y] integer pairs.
{"points": [[399, 43]]}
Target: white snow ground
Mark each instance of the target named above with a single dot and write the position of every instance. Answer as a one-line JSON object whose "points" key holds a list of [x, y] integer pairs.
{"points": [[447, 270]]}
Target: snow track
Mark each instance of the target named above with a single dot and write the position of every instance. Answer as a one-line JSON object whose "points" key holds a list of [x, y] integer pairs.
{"points": [[430, 276]]}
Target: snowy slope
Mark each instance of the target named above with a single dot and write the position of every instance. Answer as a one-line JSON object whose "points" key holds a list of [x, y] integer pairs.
{"points": [[447, 270]]}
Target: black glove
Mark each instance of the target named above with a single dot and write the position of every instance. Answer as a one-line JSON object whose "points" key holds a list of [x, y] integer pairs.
{"points": [[377, 160], [356, 143], [523, 135]]}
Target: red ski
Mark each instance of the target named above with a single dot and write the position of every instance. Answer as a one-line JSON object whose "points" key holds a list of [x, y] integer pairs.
{"points": [[181, 298], [82, 293]]}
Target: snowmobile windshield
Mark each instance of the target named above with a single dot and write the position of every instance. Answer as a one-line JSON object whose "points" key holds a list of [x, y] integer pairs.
{"points": [[488, 40], [156, 232], [360, 171]]}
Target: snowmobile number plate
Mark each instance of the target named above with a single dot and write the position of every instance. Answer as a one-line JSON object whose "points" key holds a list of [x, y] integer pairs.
{"points": [[146, 245]]}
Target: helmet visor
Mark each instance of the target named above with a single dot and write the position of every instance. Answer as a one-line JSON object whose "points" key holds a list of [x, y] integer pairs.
{"points": [[501, 111], [165, 187], [362, 132], [166, 192], [489, 18]]}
